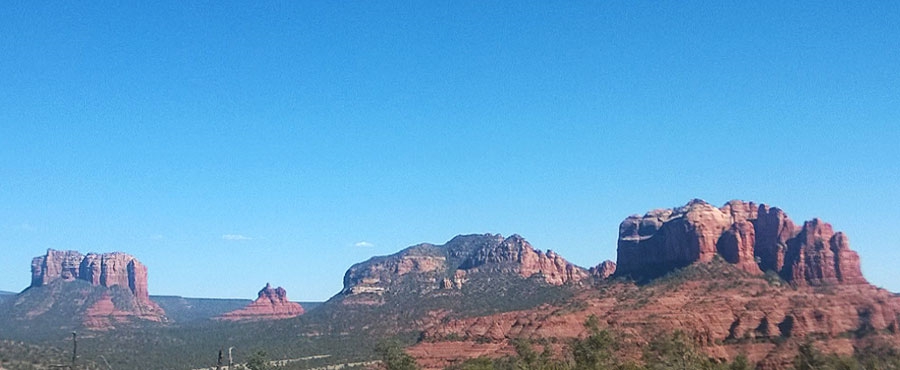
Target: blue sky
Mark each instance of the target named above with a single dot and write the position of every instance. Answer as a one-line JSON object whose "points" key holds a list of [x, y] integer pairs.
{"points": [[227, 145]]}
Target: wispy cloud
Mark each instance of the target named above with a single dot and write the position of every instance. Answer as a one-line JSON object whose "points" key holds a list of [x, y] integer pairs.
{"points": [[234, 237], [157, 237], [363, 244]]}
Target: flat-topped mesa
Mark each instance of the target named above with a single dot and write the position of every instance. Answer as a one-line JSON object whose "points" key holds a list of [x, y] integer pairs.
{"points": [[753, 237], [451, 265], [270, 304], [107, 270], [125, 298]]}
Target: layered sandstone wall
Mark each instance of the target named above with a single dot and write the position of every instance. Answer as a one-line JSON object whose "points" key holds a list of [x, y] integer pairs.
{"points": [[107, 270], [755, 238], [128, 302]]}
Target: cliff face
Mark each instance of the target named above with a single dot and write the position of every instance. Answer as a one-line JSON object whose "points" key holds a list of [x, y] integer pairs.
{"points": [[668, 238], [106, 270], [450, 265], [755, 238], [55, 265], [818, 255], [121, 274], [270, 304]]}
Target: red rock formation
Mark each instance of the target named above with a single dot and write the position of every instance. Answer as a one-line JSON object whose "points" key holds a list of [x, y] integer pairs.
{"points": [[818, 256], [90, 268], [741, 211], [107, 270], [527, 261], [104, 270], [103, 314], [724, 311], [664, 239], [604, 270], [55, 265], [847, 263], [753, 238], [773, 230], [736, 246], [448, 266], [114, 269], [136, 274], [271, 304]]}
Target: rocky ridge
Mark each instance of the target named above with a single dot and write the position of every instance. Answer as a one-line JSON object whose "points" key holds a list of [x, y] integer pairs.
{"points": [[450, 266], [270, 304], [755, 238]]}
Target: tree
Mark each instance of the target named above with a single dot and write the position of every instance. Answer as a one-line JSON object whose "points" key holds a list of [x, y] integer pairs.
{"points": [[527, 356], [809, 358], [393, 357], [596, 351], [675, 352], [740, 363], [258, 361]]}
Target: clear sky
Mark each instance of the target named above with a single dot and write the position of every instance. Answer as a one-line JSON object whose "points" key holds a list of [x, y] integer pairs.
{"points": [[227, 145]]}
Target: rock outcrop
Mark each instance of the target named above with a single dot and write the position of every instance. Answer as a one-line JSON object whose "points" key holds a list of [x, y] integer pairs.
{"points": [[270, 304], [524, 260], [755, 238], [449, 266], [818, 255], [54, 265], [122, 274], [604, 270], [106, 270]]}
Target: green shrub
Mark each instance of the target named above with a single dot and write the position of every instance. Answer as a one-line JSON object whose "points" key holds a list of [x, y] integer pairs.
{"points": [[393, 357]]}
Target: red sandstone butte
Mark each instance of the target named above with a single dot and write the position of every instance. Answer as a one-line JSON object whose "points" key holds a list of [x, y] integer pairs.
{"points": [[272, 304], [100, 270], [106, 270]]}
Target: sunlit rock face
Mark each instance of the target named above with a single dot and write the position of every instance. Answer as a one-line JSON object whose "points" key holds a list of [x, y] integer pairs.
{"points": [[451, 265], [755, 238], [116, 292], [106, 270]]}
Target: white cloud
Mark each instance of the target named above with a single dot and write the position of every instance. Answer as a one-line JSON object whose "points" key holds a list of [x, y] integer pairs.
{"points": [[157, 237], [363, 244], [235, 237]]}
